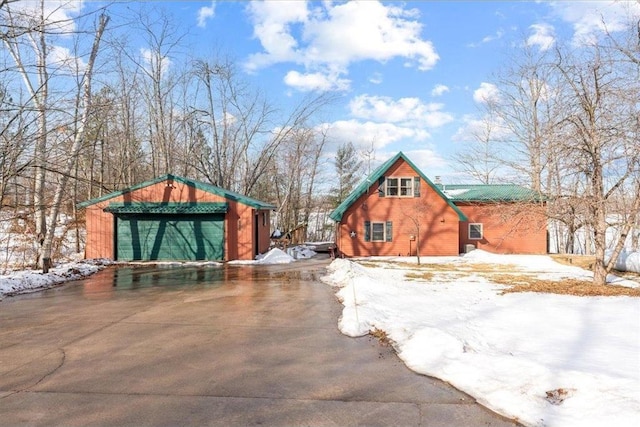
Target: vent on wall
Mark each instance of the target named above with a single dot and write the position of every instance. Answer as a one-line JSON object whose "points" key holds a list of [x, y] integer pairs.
{"points": [[468, 248]]}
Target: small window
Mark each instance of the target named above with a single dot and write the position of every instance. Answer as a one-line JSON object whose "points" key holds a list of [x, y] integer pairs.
{"points": [[392, 186], [377, 232], [264, 219], [475, 231]]}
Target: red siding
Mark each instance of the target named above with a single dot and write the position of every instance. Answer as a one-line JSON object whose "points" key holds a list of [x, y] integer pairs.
{"points": [[240, 223], [438, 221], [507, 228]]}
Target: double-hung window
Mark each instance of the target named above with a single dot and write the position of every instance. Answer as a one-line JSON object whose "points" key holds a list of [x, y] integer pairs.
{"points": [[378, 231]]}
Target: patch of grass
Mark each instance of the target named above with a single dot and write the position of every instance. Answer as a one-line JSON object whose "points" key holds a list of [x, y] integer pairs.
{"points": [[575, 287], [583, 261], [425, 275], [381, 336], [515, 281]]}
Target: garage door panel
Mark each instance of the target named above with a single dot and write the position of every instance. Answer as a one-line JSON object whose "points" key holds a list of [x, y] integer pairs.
{"points": [[164, 237]]}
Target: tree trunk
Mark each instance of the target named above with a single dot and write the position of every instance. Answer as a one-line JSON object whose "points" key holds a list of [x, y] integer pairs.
{"points": [[75, 149]]}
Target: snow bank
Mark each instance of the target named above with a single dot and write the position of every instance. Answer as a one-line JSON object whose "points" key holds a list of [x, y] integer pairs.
{"points": [[274, 256], [30, 281], [627, 261], [547, 360], [278, 256]]}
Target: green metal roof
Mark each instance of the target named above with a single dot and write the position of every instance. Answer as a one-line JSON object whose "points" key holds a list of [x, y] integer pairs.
{"points": [[490, 193], [209, 188], [167, 207], [362, 188]]}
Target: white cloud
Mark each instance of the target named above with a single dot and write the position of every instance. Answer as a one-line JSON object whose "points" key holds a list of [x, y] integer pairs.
{"points": [[487, 92], [589, 19], [58, 14], [376, 78], [542, 36], [62, 57], [367, 133], [488, 39], [205, 13], [496, 36], [153, 60], [315, 81], [408, 111], [439, 90], [331, 36], [480, 128]]}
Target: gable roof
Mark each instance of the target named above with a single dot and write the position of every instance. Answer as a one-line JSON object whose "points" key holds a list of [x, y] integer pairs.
{"points": [[209, 188], [490, 193], [362, 188]]}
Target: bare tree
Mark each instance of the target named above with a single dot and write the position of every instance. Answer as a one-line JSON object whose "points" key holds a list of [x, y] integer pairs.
{"points": [[601, 148], [526, 106], [78, 140], [242, 129], [480, 157], [294, 177]]}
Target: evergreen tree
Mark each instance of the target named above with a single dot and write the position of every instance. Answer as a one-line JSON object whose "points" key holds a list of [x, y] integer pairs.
{"points": [[348, 170]]}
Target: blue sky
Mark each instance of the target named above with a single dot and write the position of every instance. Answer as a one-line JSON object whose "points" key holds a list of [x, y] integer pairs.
{"points": [[411, 75]]}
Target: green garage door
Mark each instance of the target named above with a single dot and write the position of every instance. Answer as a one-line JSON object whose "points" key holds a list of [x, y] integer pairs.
{"points": [[170, 237]]}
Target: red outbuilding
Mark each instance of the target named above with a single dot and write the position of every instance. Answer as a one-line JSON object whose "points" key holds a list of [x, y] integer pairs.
{"points": [[175, 218]]}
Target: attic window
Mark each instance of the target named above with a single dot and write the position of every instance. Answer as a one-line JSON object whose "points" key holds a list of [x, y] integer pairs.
{"points": [[402, 187]]}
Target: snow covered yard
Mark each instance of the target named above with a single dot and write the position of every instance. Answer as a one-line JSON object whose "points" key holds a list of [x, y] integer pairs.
{"points": [[541, 358]]}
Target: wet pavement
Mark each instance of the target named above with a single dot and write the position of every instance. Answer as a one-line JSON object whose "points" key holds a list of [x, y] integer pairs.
{"points": [[216, 346]]}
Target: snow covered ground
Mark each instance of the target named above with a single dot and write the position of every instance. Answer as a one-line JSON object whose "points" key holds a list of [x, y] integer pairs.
{"points": [[543, 359]]}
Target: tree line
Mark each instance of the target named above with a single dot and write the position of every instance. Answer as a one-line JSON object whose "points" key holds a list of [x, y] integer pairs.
{"points": [[564, 120], [79, 123]]}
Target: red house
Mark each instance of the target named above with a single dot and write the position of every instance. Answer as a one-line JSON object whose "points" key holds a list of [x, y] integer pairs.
{"points": [[174, 218], [398, 210]]}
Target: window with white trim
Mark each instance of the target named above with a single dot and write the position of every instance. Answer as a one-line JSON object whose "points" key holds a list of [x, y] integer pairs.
{"points": [[402, 186], [475, 231]]}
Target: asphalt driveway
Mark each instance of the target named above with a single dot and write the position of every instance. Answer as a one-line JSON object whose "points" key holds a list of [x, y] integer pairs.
{"points": [[216, 346]]}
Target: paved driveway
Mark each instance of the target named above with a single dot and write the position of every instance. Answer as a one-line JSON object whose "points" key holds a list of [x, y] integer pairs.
{"points": [[207, 346]]}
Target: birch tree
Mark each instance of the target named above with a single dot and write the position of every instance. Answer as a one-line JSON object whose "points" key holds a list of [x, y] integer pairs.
{"points": [[78, 139]]}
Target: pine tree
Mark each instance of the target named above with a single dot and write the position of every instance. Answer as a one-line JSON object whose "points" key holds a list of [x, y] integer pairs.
{"points": [[348, 170]]}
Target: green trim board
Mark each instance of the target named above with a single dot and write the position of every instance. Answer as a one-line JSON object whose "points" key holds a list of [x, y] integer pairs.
{"points": [[209, 188], [362, 188], [167, 208]]}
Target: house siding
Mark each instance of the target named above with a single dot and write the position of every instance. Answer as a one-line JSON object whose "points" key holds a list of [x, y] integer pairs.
{"points": [[439, 223], [508, 228], [239, 221]]}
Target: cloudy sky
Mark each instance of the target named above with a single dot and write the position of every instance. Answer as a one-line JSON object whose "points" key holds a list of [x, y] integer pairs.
{"points": [[410, 75]]}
